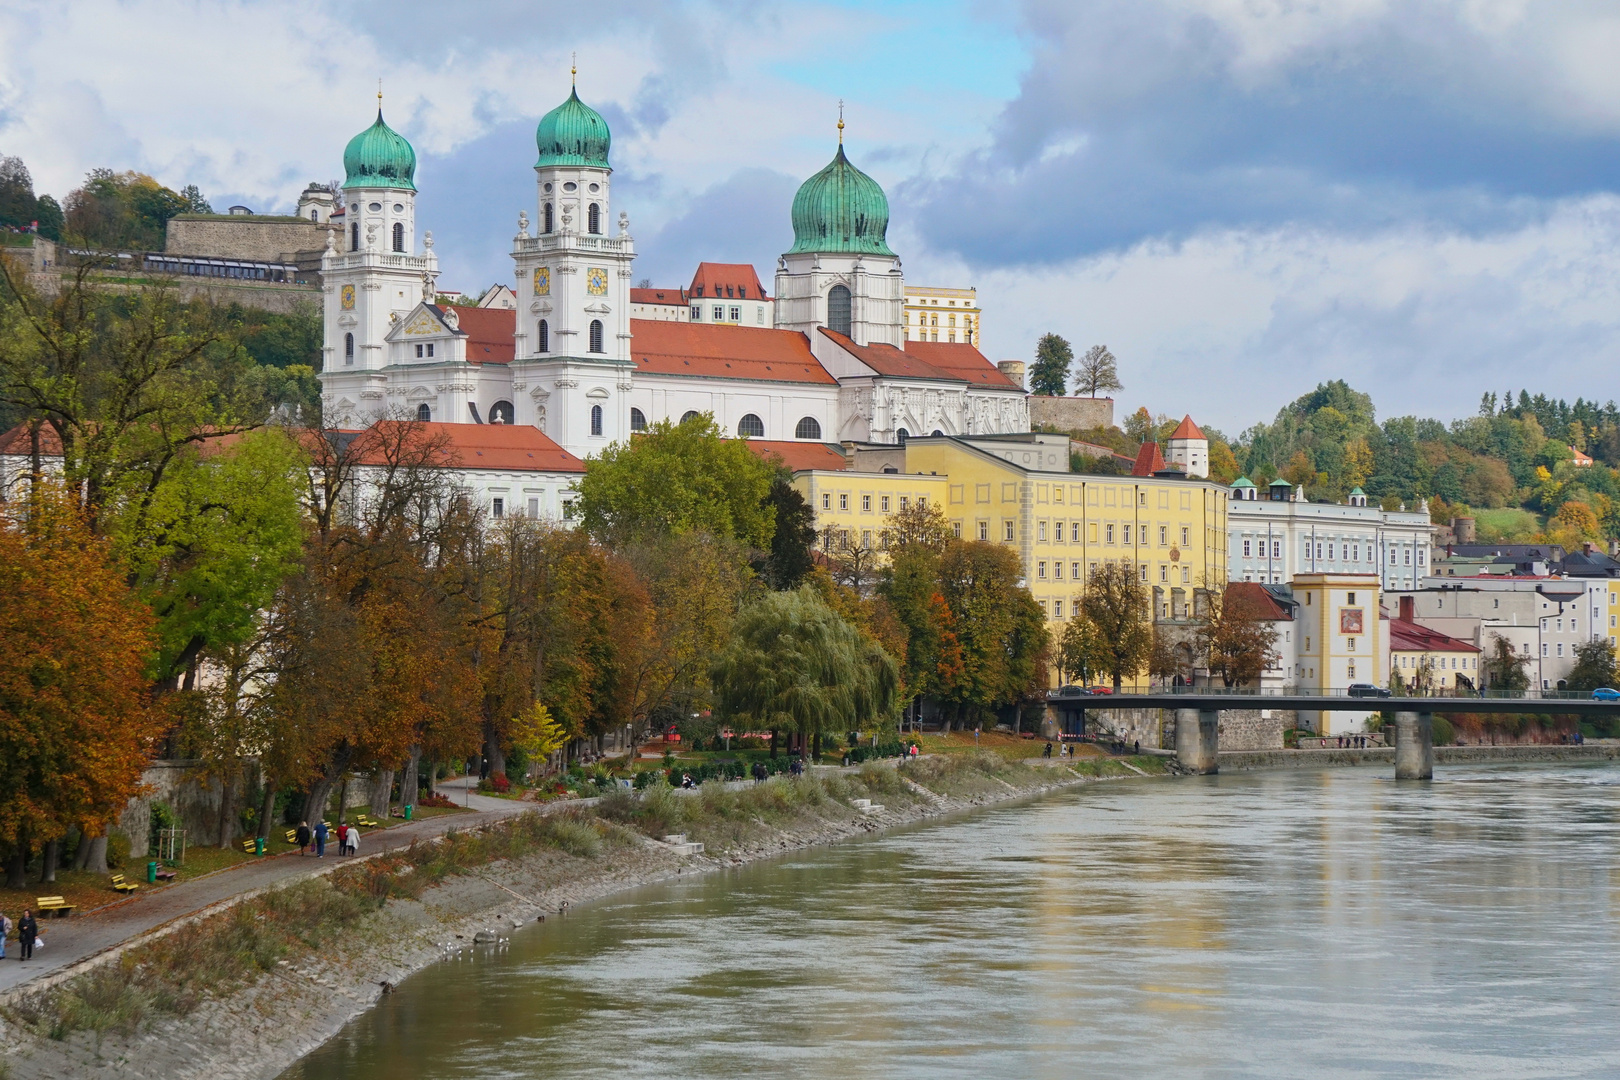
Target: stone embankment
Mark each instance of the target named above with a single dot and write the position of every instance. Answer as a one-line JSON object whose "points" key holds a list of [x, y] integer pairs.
{"points": [[1249, 760]]}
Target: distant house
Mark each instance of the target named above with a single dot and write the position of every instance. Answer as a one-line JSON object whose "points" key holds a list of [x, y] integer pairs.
{"points": [[1582, 460]]}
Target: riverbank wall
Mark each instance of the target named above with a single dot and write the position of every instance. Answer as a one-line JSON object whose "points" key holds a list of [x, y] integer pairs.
{"points": [[1249, 761], [252, 987]]}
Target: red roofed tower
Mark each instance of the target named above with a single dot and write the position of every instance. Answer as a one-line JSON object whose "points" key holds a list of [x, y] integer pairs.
{"points": [[1188, 448]]}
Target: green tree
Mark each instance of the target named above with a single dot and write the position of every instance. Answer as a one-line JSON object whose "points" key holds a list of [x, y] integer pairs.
{"points": [[1081, 654], [18, 207], [122, 210], [194, 201], [1505, 669], [1116, 602], [1594, 665], [788, 559], [1000, 628], [1099, 371], [678, 478], [50, 216], [1050, 373]]}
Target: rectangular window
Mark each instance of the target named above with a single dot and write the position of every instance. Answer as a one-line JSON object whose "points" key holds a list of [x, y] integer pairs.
{"points": [[826, 501], [1127, 538], [719, 314], [1276, 545], [1009, 531], [866, 502], [1355, 552], [1057, 531], [904, 502], [534, 508], [736, 314], [1057, 570], [984, 530], [430, 348], [497, 508], [1560, 644], [1074, 532], [1330, 553], [1091, 568], [1543, 648], [697, 313], [1420, 556], [1408, 558], [1164, 573], [866, 539], [1057, 609], [1040, 532], [1040, 570], [1184, 535], [956, 529], [1186, 574], [419, 352], [884, 504], [1164, 535], [1109, 533], [1074, 571], [1142, 571], [1245, 549], [843, 501]]}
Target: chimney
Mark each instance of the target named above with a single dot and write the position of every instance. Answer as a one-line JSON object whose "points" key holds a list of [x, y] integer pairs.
{"points": [[1406, 609], [1014, 370]]}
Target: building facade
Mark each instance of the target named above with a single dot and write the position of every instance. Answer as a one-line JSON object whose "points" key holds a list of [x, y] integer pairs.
{"points": [[935, 314], [1275, 539], [1340, 640]]}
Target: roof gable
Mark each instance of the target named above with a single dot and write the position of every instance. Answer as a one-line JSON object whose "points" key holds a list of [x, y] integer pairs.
{"points": [[489, 333], [424, 321], [1148, 460], [1187, 430], [727, 281], [759, 354]]}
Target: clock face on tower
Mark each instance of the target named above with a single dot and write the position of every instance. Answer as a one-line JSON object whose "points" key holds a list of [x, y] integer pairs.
{"points": [[348, 297], [596, 281], [542, 281]]}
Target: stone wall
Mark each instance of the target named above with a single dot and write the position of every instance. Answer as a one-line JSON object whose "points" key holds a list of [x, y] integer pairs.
{"points": [[1243, 729], [1155, 729], [260, 238], [1070, 413]]}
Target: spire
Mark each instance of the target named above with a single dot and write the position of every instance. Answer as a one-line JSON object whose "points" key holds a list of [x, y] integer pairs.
{"points": [[573, 70], [840, 121], [379, 99]]}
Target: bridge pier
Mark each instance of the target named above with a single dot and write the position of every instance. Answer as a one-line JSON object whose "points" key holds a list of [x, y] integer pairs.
{"points": [[1198, 739], [1414, 746]]}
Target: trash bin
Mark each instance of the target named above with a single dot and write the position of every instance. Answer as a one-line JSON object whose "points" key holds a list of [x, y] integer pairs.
{"points": [[151, 872], [258, 845], [407, 811]]}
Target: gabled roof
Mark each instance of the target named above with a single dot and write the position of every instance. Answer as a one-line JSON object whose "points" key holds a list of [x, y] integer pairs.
{"points": [[1148, 460], [670, 297], [17, 441], [1415, 637], [961, 361], [1187, 430], [726, 281], [1258, 600], [489, 333], [889, 361], [799, 456], [507, 447], [662, 347]]}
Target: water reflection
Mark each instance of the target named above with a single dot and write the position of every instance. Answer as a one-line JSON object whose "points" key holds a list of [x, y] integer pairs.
{"points": [[1280, 925]]}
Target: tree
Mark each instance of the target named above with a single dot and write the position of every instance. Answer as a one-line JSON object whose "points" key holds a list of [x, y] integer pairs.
{"points": [[921, 524], [1001, 629], [1098, 371], [76, 726], [788, 559], [1139, 426], [678, 478], [18, 207], [50, 217], [1081, 655], [1116, 603], [193, 201], [122, 210], [1238, 638], [1050, 373], [1594, 665]]}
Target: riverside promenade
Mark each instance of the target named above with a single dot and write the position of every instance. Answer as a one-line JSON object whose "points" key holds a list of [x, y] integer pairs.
{"points": [[79, 937]]}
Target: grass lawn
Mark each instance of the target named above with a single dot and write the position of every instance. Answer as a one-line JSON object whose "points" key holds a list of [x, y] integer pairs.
{"points": [[1506, 526]]}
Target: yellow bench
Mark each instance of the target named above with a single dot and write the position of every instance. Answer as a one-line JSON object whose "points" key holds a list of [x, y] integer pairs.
{"points": [[366, 822], [47, 904], [247, 846], [123, 886]]}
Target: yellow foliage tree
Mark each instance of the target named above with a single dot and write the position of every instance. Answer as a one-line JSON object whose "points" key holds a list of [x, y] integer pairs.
{"points": [[537, 733]]}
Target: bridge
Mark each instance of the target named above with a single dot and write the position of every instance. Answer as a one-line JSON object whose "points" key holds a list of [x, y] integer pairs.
{"points": [[1198, 712]]}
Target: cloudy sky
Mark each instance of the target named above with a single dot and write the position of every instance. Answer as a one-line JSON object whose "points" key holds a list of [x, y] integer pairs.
{"points": [[1240, 197]]}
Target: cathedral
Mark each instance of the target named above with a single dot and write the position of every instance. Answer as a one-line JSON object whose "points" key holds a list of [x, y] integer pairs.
{"points": [[834, 366]]}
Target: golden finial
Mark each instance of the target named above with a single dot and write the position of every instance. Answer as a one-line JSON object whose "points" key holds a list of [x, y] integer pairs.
{"points": [[840, 121], [379, 95], [573, 69]]}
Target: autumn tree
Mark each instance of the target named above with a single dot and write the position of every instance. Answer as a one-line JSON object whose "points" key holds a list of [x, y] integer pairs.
{"points": [[1049, 374], [1116, 602], [76, 726], [1001, 629], [1504, 668], [1594, 665], [1099, 372], [1080, 653], [1238, 636]]}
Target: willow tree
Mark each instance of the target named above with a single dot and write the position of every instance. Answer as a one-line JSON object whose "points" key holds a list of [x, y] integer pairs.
{"points": [[793, 663]]}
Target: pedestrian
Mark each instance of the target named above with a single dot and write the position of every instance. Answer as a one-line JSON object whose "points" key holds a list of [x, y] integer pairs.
{"points": [[302, 836], [27, 931], [320, 839], [5, 929], [1137, 746], [1048, 751], [760, 772], [354, 840], [976, 729]]}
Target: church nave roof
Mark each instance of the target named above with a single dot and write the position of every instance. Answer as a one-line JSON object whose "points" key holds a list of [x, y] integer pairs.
{"points": [[712, 351]]}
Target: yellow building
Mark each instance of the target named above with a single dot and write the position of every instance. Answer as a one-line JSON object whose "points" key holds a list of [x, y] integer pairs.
{"points": [[1416, 652], [942, 314], [856, 506], [1340, 641]]}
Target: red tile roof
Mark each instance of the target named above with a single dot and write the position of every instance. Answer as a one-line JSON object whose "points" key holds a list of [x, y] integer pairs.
{"points": [[799, 456], [888, 360], [671, 297], [1414, 637], [1257, 600], [662, 347], [713, 280], [1148, 460], [1186, 430], [961, 361], [17, 441], [489, 333], [507, 447]]}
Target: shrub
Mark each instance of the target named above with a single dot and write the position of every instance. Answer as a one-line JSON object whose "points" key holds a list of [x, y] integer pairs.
{"points": [[117, 849], [437, 799]]}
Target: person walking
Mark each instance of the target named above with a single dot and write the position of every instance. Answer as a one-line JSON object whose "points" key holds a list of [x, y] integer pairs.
{"points": [[353, 839], [27, 931], [5, 929], [320, 839], [302, 836]]}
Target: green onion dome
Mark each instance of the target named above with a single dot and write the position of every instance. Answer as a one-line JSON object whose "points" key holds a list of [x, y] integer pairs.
{"points": [[840, 209], [573, 134], [379, 157]]}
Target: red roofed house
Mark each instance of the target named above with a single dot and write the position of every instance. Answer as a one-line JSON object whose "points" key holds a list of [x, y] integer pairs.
{"points": [[588, 360], [1428, 659], [1188, 448], [1148, 460]]}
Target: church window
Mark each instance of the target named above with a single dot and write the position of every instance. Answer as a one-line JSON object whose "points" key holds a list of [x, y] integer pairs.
{"points": [[547, 213], [809, 428], [690, 414], [348, 348], [736, 314], [544, 335], [838, 310], [596, 335], [424, 412], [638, 420], [719, 313], [314, 215], [354, 236], [596, 419], [901, 435], [593, 219], [751, 426], [399, 236], [936, 320]]}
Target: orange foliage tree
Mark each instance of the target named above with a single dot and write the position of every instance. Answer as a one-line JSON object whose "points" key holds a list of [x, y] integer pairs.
{"points": [[76, 726]]}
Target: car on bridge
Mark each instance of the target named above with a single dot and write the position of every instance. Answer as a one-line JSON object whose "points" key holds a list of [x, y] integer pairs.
{"points": [[1605, 693], [1366, 689]]}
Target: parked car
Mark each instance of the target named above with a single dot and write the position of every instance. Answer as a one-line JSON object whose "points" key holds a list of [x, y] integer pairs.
{"points": [[1367, 689], [1604, 693], [1099, 690]]}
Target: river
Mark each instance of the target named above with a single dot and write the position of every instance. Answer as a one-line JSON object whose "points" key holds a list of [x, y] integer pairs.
{"points": [[1295, 924]]}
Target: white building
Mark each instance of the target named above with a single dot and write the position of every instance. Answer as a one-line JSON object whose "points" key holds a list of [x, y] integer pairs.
{"points": [[572, 362], [1188, 448], [1273, 539]]}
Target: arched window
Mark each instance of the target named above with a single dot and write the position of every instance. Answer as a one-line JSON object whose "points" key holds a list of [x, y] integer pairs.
{"points": [[424, 413], [901, 435], [544, 336], [596, 419], [501, 412], [638, 420], [593, 219], [751, 427], [690, 414], [838, 310], [399, 236], [596, 335], [809, 428], [348, 348], [548, 217], [354, 236], [938, 432]]}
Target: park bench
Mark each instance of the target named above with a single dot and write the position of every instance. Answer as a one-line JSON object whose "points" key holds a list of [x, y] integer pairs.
{"points": [[248, 846], [366, 822], [123, 886], [45, 905], [292, 836], [166, 875]]}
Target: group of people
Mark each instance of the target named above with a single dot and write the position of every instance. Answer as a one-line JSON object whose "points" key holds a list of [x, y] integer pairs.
{"points": [[348, 837], [28, 938]]}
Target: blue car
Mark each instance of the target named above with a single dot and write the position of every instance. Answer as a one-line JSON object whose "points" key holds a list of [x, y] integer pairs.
{"points": [[1604, 693]]}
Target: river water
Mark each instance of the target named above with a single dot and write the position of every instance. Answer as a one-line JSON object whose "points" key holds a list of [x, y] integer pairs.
{"points": [[1301, 924]]}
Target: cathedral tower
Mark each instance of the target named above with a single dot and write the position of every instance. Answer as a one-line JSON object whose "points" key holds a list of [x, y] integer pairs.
{"points": [[572, 366]]}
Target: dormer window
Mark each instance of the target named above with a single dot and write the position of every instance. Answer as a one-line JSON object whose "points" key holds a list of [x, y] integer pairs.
{"points": [[698, 291], [742, 292]]}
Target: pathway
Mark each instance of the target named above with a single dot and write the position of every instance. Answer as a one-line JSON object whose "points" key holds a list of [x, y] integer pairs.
{"points": [[79, 937]]}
